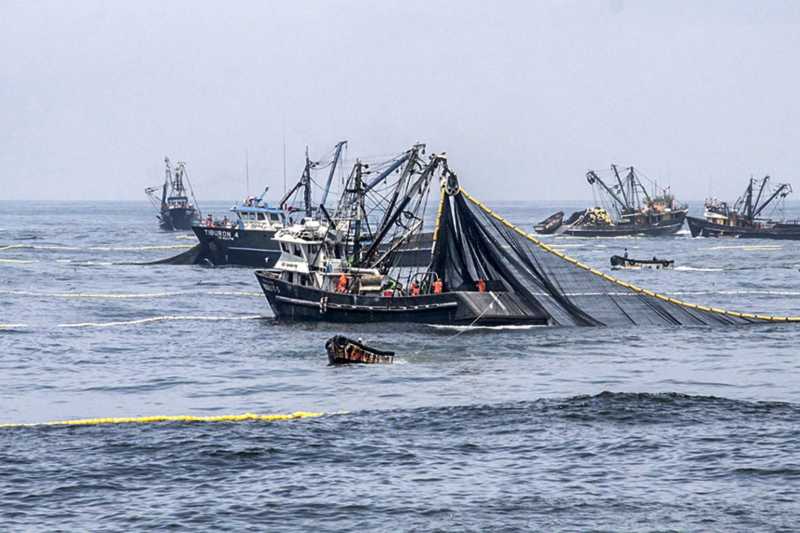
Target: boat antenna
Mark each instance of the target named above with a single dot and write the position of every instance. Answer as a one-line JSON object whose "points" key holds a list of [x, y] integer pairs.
{"points": [[246, 173], [284, 162]]}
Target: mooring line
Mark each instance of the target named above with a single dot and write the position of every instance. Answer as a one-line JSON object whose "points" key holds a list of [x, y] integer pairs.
{"points": [[246, 417]]}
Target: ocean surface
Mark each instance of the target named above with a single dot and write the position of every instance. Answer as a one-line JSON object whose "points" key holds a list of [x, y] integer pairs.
{"points": [[542, 429]]}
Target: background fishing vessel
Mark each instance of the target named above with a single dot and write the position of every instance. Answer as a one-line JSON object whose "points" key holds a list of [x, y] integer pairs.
{"points": [[635, 210], [175, 210], [746, 217], [248, 240]]}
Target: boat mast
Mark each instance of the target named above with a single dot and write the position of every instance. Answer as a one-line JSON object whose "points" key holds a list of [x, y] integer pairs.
{"points": [[783, 190], [412, 190], [758, 196], [167, 181], [394, 166], [307, 185], [305, 182], [412, 156], [619, 180], [358, 190], [593, 178], [748, 200], [336, 154], [636, 182]]}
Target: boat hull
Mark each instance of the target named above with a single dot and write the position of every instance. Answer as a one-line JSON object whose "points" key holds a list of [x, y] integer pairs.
{"points": [[550, 225], [658, 229], [234, 246], [290, 301], [703, 228], [342, 351], [178, 218]]}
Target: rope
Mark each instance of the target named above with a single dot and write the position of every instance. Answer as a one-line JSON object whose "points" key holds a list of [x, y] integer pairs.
{"points": [[246, 417], [612, 279], [491, 304]]}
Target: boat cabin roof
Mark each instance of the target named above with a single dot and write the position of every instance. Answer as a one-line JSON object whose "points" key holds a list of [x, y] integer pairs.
{"points": [[256, 209]]}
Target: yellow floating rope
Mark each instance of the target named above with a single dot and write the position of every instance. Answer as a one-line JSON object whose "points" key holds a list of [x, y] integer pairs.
{"points": [[612, 279], [246, 417], [442, 198]]}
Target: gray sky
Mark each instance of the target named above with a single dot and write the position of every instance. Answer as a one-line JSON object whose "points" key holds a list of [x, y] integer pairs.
{"points": [[524, 96]]}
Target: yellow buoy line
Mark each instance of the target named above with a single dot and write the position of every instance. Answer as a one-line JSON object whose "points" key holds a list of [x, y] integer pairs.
{"points": [[246, 417], [617, 281]]}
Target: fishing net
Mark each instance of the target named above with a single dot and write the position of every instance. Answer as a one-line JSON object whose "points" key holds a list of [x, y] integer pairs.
{"points": [[473, 243]]}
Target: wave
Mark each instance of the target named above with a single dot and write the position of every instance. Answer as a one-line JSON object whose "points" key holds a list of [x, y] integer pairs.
{"points": [[479, 328], [18, 261], [155, 319], [12, 326], [56, 248], [735, 292], [697, 269], [127, 296], [747, 247]]}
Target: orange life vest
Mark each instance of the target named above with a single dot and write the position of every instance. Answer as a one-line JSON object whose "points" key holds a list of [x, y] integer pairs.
{"points": [[438, 286]]}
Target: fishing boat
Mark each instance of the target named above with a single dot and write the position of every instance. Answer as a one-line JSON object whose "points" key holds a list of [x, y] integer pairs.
{"points": [[624, 262], [342, 350], [629, 209], [245, 240], [551, 224], [175, 210], [340, 269], [746, 217], [248, 238]]}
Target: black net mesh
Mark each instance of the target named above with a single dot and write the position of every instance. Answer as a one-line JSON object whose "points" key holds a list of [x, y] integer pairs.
{"points": [[474, 243]]}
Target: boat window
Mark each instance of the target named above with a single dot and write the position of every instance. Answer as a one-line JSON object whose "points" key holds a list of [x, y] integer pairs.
{"points": [[261, 216], [284, 248], [297, 251], [274, 217], [312, 250]]}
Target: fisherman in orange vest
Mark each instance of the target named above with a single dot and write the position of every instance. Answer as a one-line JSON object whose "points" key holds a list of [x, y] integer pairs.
{"points": [[438, 286], [481, 285], [414, 288], [341, 286]]}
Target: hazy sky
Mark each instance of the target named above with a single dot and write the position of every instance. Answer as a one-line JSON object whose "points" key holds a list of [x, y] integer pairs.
{"points": [[524, 96]]}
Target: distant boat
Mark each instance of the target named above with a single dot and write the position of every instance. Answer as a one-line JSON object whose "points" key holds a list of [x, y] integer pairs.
{"points": [[550, 224], [744, 219], [635, 210], [247, 239], [175, 210], [619, 262]]}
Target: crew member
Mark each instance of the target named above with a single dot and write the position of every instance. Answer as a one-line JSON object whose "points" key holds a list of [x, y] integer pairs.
{"points": [[438, 286], [481, 285], [414, 288], [341, 286]]}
